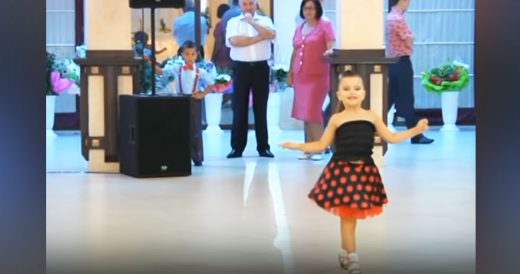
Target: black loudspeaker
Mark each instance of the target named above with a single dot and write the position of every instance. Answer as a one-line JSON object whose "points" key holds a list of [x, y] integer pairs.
{"points": [[139, 4], [154, 136]]}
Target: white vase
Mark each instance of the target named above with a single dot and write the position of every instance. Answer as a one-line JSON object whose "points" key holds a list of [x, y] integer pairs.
{"points": [[50, 110], [450, 105], [213, 103]]}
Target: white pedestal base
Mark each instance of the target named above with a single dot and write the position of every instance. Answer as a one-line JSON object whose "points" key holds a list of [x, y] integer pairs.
{"points": [[50, 107], [213, 112], [449, 103]]}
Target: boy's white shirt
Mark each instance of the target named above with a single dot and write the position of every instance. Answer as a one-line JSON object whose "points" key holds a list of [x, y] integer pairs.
{"points": [[188, 77]]}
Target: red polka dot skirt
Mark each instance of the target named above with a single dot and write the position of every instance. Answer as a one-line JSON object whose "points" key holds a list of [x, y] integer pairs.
{"points": [[350, 190]]}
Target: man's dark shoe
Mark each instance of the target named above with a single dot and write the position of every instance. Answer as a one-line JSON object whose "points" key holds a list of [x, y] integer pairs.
{"points": [[197, 163], [234, 154], [421, 139], [266, 153]]}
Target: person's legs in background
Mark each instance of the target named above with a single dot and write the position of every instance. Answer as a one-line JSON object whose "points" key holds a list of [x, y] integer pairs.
{"points": [[239, 105], [401, 93], [260, 89], [197, 149], [313, 131]]}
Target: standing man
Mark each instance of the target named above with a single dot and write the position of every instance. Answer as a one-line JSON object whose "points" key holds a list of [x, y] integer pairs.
{"points": [[249, 36], [234, 10], [399, 43], [184, 27]]}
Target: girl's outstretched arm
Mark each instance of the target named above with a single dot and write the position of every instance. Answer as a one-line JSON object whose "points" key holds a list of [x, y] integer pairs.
{"points": [[399, 136], [316, 146]]}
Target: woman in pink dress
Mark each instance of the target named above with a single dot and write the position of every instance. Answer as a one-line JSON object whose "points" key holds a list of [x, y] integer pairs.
{"points": [[308, 73]]}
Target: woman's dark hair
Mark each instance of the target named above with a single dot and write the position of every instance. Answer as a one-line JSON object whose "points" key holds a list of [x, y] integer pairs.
{"points": [[221, 9], [317, 4], [391, 4]]}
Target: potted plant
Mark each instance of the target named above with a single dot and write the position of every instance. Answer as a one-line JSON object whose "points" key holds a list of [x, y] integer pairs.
{"points": [[62, 75], [279, 77], [447, 80]]}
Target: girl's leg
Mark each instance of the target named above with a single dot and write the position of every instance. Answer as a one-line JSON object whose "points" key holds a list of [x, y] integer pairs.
{"points": [[348, 234], [349, 259]]}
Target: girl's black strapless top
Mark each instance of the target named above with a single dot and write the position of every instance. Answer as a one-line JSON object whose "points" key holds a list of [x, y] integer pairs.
{"points": [[354, 141]]}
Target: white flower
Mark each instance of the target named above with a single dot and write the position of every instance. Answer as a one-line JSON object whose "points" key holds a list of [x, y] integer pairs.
{"points": [[280, 67], [223, 78]]}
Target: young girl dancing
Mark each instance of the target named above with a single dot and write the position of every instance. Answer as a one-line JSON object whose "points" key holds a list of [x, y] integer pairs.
{"points": [[350, 185]]}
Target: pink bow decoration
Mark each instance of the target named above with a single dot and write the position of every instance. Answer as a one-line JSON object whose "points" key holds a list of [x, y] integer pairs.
{"points": [[59, 84]]}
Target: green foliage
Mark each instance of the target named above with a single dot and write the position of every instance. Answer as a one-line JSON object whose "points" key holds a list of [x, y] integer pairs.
{"points": [[453, 76]]}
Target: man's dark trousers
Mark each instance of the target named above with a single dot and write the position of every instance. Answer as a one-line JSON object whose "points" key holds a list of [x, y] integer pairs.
{"points": [[401, 90], [254, 77]]}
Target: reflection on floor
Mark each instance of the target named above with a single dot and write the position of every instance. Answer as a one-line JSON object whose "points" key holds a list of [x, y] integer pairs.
{"points": [[251, 215]]}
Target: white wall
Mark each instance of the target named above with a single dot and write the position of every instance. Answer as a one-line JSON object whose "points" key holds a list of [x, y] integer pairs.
{"points": [[107, 25]]}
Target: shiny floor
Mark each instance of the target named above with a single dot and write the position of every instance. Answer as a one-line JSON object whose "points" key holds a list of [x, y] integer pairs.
{"points": [[251, 215]]}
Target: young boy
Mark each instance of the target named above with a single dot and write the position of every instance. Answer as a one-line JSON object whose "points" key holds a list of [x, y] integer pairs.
{"points": [[195, 82]]}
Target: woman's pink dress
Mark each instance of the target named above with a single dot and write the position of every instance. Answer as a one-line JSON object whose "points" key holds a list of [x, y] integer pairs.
{"points": [[311, 76]]}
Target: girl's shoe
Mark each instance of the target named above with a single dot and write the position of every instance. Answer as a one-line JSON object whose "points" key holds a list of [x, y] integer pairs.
{"points": [[343, 260], [352, 267], [316, 157]]}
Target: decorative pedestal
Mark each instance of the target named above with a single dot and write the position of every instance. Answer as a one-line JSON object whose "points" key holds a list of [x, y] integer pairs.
{"points": [[105, 74], [449, 104], [213, 111], [50, 107]]}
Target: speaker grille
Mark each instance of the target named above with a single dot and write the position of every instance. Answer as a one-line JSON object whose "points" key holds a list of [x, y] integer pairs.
{"points": [[155, 136]]}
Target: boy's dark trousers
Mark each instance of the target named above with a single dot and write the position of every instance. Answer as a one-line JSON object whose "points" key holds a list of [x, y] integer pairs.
{"points": [[197, 152]]}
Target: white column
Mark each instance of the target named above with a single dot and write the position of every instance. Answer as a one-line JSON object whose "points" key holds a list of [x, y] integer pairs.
{"points": [[108, 25], [360, 24]]}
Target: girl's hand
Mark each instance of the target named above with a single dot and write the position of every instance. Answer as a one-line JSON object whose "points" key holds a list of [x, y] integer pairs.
{"points": [[289, 145], [422, 125]]}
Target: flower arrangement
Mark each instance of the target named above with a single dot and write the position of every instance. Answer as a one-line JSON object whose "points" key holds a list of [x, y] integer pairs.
{"points": [[447, 77], [62, 75], [279, 75], [223, 83]]}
